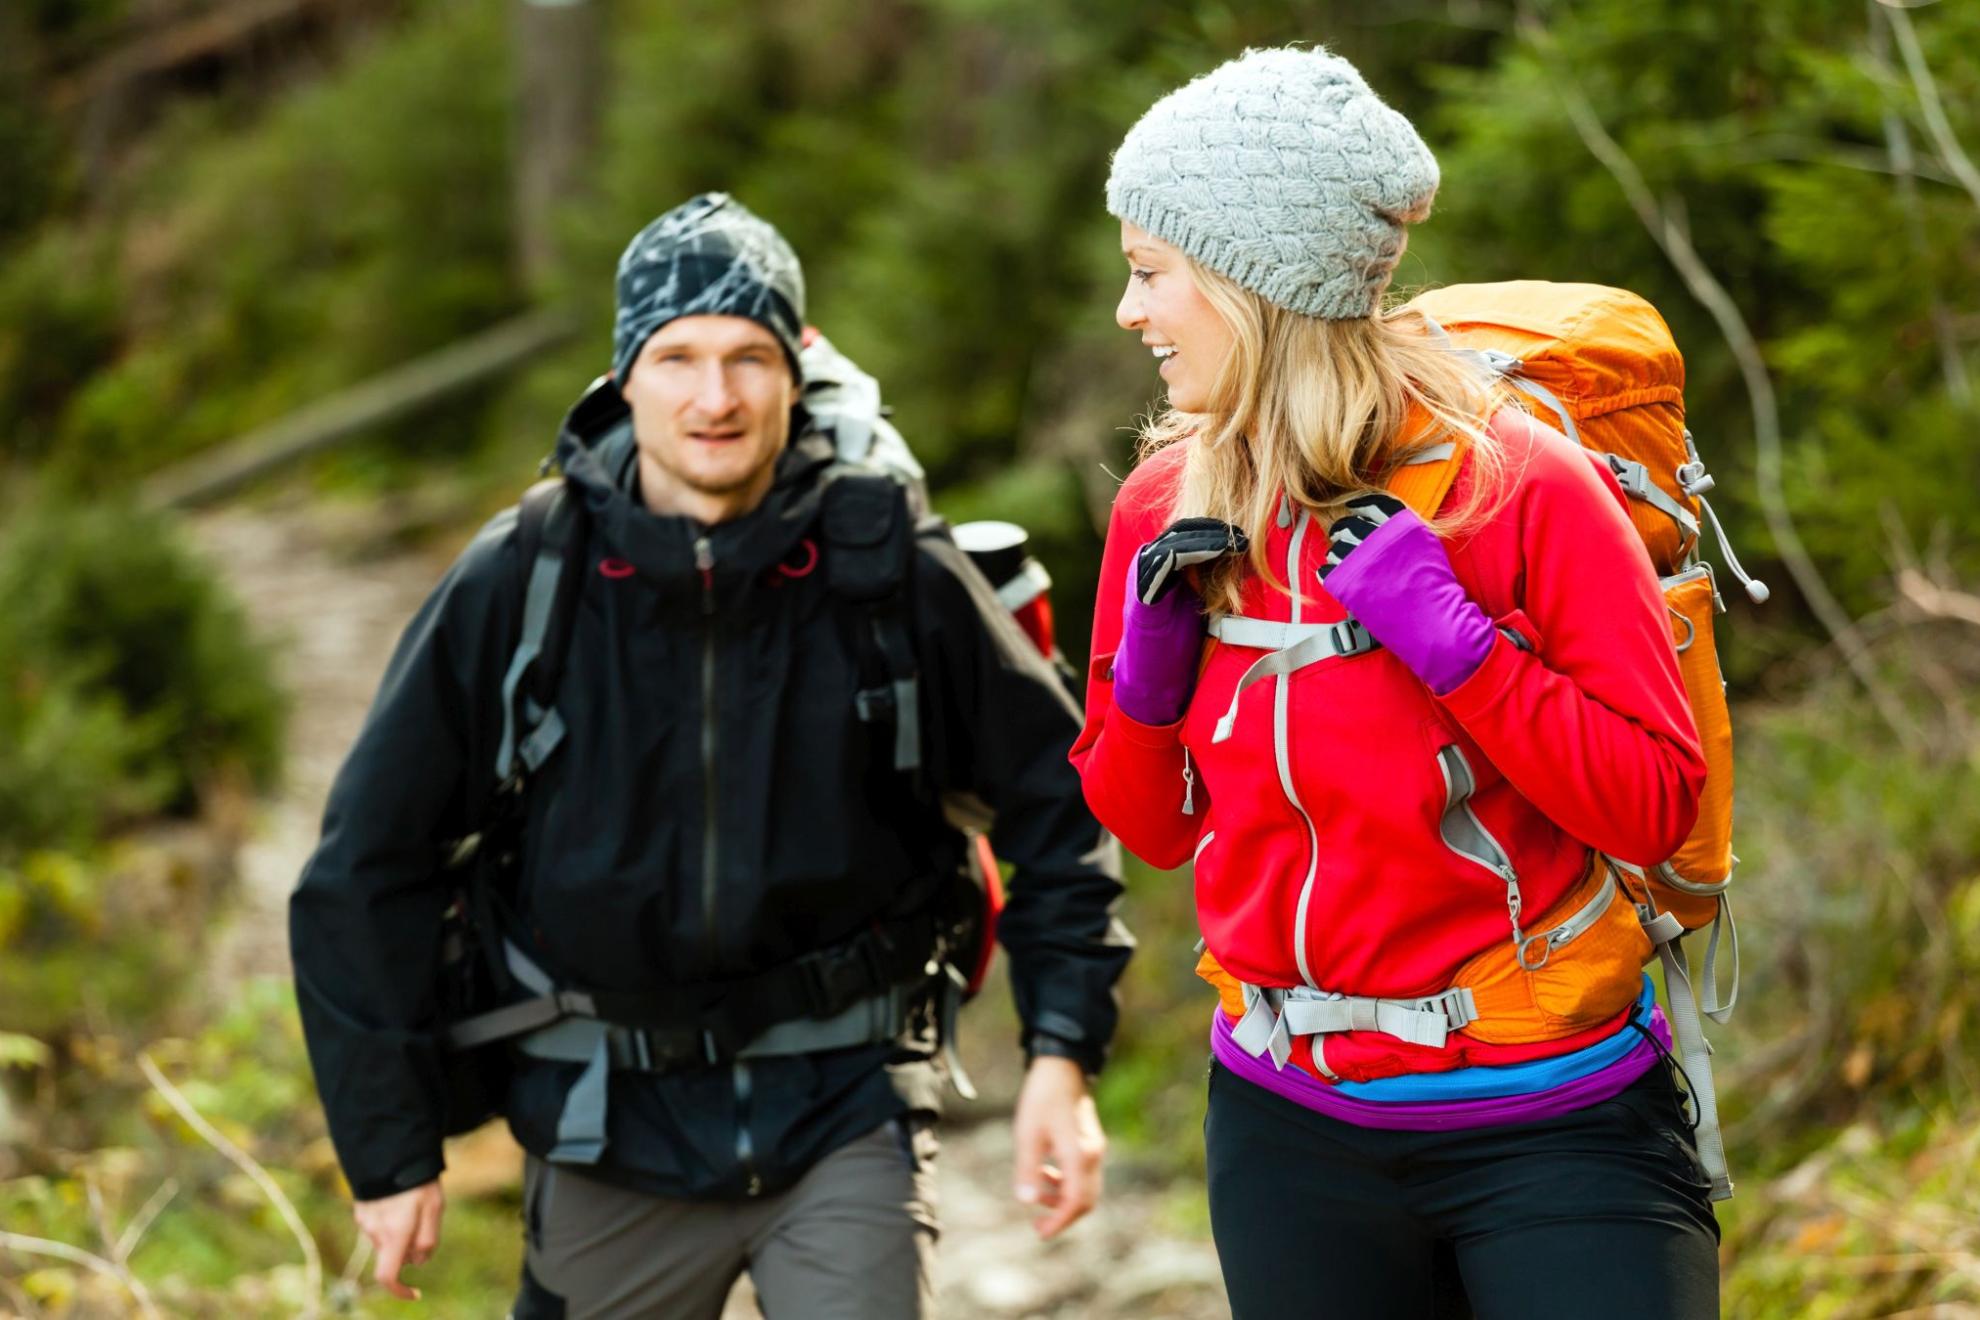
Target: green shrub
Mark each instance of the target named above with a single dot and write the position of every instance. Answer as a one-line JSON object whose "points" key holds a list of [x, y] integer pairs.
{"points": [[130, 682]]}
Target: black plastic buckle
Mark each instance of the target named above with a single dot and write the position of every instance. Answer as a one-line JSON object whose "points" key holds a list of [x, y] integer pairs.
{"points": [[649, 1049], [836, 977]]}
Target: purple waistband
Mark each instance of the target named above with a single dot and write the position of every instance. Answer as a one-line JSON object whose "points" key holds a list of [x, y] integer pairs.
{"points": [[1449, 1115]]}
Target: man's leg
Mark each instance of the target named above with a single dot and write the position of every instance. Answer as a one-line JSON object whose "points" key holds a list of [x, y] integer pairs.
{"points": [[596, 1251], [855, 1239]]}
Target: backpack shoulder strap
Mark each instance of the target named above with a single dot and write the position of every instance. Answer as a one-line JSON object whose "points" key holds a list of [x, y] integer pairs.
{"points": [[869, 532], [548, 538], [1425, 481]]}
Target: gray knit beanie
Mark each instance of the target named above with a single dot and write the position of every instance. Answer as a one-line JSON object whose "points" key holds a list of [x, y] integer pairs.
{"points": [[709, 256], [1283, 170]]}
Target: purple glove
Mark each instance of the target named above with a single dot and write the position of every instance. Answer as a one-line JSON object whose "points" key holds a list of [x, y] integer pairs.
{"points": [[1162, 625], [1391, 572]]}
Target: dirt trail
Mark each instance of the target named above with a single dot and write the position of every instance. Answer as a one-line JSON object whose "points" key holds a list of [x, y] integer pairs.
{"points": [[334, 614]]}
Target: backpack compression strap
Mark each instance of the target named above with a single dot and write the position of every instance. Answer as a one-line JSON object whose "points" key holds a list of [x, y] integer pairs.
{"points": [[869, 541], [547, 535]]}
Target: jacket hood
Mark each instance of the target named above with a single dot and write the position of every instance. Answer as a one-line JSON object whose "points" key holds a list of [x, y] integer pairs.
{"points": [[596, 450]]}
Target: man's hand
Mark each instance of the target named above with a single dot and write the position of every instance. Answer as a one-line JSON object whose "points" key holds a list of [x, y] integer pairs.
{"points": [[1059, 1144], [404, 1230]]}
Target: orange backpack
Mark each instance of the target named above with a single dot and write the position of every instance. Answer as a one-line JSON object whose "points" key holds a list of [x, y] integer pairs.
{"points": [[1600, 366]]}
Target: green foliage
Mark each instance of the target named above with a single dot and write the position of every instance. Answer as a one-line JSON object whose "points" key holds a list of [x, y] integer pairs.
{"points": [[219, 1249], [131, 681], [363, 221]]}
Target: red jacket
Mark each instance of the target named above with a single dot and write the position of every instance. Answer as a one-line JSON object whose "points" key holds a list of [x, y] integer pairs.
{"points": [[1587, 742]]}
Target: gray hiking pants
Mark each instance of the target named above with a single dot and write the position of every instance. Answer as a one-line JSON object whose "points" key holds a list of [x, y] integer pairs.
{"points": [[854, 1239]]}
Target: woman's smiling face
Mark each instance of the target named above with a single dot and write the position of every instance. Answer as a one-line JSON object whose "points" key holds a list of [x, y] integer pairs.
{"points": [[1163, 305]]}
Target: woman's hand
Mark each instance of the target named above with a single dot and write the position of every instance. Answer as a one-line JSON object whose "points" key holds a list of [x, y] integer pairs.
{"points": [[1390, 571], [1162, 625]]}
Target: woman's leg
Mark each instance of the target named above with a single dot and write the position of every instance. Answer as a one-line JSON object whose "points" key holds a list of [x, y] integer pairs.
{"points": [[1309, 1218], [1602, 1214]]}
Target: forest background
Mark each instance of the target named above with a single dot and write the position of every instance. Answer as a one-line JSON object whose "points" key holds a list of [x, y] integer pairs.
{"points": [[216, 212]]}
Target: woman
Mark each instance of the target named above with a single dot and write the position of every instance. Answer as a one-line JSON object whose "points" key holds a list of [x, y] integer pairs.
{"points": [[1382, 813]]}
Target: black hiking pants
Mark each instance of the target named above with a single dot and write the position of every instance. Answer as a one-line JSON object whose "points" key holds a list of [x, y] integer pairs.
{"points": [[1601, 1214]]}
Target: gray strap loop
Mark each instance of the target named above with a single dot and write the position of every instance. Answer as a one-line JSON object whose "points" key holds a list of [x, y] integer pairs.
{"points": [[541, 596], [581, 1127], [1696, 1057], [1721, 1011], [1326, 641]]}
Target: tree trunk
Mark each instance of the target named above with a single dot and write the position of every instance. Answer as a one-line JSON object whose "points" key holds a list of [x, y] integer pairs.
{"points": [[560, 63]]}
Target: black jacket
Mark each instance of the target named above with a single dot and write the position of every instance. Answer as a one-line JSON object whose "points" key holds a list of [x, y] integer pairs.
{"points": [[690, 830]]}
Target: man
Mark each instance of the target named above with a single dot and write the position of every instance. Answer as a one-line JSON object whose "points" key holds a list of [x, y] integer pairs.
{"points": [[734, 800]]}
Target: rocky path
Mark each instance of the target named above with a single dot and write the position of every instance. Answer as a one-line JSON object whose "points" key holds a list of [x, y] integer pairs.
{"points": [[314, 583]]}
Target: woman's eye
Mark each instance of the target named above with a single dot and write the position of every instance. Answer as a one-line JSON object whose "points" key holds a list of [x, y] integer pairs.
{"points": [[1143, 275]]}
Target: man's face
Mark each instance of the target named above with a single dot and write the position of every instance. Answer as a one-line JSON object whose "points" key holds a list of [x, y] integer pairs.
{"points": [[711, 404]]}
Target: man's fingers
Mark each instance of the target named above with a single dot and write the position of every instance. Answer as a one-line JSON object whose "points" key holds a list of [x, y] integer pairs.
{"points": [[426, 1235], [1050, 1185], [391, 1255], [1078, 1178], [1029, 1179]]}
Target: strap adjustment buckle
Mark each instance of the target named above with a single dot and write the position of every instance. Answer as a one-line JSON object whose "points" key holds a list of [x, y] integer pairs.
{"points": [[837, 976], [658, 1050], [875, 705]]}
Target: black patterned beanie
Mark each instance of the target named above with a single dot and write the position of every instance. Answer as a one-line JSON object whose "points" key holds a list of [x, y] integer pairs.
{"points": [[709, 256]]}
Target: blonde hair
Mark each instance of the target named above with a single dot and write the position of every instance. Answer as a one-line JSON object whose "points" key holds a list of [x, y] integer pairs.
{"points": [[1316, 409]]}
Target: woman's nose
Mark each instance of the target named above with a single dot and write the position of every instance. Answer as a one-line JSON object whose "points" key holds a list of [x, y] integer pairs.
{"points": [[1127, 313]]}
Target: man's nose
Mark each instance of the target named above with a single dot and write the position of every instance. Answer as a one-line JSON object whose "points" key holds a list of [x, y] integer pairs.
{"points": [[713, 394]]}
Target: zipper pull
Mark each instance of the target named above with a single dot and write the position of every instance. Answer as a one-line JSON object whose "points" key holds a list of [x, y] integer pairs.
{"points": [[1189, 786], [1756, 590], [704, 559]]}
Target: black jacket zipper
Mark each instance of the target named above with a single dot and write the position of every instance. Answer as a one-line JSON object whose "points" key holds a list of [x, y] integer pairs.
{"points": [[704, 559]]}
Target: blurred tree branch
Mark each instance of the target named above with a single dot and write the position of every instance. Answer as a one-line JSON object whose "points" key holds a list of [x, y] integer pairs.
{"points": [[1665, 226], [240, 1159], [1927, 88], [1904, 165], [62, 1251]]}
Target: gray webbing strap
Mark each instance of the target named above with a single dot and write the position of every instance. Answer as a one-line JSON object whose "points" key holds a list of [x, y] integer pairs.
{"points": [[869, 1021], [581, 1126], [1511, 370], [1261, 634], [1696, 1057], [1273, 1017], [949, 1005], [1635, 480], [1433, 454], [907, 725], [537, 604], [1329, 641]]}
